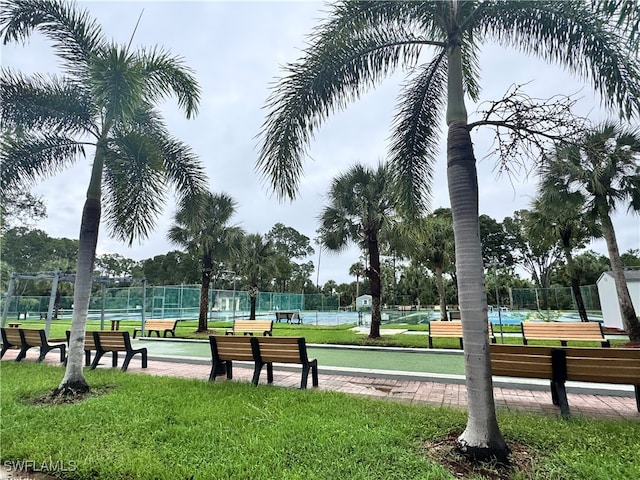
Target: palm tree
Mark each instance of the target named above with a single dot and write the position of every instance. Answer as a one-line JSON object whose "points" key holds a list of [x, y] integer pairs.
{"points": [[257, 265], [361, 207], [434, 249], [201, 227], [361, 42], [563, 220], [603, 170], [357, 270], [105, 101]]}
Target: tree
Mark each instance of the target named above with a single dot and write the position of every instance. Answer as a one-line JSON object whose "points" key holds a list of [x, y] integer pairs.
{"points": [[257, 266], [172, 268], [115, 265], [362, 42], [289, 244], [564, 221], [357, 270], [20, 207], [360, 209], [603, 171], [201, 226], [434, 248], [534, 253], [105, 100]]}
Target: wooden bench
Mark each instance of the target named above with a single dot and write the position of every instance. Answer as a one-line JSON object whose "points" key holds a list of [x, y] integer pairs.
{"points": [[10, 339], [452, 329], [290, 317], [89, 344], [227, 349], [114, 342], [249, 327], [605, 365], [563, 332], [283, 350], [29, 338], [559, 365], [455, 315], [164, 326]]}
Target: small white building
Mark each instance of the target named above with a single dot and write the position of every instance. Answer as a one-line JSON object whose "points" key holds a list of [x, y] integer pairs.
{"points": [[609, 298], [363, 301]]}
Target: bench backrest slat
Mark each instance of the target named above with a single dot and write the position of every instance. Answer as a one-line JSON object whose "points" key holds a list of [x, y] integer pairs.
{"points": [[525, 361], [232, 347], [606, 365], [112, 340], [162, 324], [241, 326], [453, 328], [32, 337], [562, 330], [12, 336], [282, 349]]}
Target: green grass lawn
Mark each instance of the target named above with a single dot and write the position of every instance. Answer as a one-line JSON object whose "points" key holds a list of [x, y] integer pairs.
{"points": [[147, 427]]}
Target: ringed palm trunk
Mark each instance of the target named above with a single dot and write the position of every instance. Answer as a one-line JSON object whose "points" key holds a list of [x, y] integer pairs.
{"points": [[481, 438], [73, 381], [629, 318], [376, 286], [441, 296], [575, 284], [203, 324]]}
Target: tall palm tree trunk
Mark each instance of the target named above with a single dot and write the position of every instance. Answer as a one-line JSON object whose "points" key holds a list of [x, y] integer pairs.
{"points": [[441, 296], [253, 298], [376, 286], [575, 284], [73, 381], [629, 318], [203, 321], [481, 438]]}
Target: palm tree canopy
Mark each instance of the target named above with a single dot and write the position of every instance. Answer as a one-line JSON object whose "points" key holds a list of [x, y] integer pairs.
{"points": [[603, 170], [361, 205], [104, 99], [201, 226], [362, 42]]}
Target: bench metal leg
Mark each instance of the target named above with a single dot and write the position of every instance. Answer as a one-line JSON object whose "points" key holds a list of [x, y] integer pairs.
{"points": [[561, 398], [5, 347], [22, 353], [219, 368], [430, 342], [269, 372], [256, 373], [96, 359], [114, 359], [637, 389]]}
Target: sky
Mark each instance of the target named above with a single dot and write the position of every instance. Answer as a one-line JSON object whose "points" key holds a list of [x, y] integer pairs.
{"points": [[237, 50]]}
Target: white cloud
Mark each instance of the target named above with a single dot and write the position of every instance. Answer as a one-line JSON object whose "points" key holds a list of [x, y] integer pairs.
{"points": [[237, 50]]}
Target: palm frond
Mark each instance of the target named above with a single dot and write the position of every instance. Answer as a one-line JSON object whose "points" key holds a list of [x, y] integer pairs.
{"points": [[414, 142], [167, 75], [26, 157], [334, 71], [48, 104], [182, 167], [576, 36], [134, 185], [76, 36]]}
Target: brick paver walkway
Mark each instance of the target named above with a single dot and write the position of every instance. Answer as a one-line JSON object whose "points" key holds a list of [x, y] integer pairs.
{"points": [[411, 391]]}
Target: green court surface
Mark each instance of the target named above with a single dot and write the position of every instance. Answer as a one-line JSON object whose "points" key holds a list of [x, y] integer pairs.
{"points": [[381, 359]]}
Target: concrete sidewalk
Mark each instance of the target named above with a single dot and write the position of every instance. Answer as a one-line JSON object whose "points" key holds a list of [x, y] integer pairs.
{"points": [[385, 385]]}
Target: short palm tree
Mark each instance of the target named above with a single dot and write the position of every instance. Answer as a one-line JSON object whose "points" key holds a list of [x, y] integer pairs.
{"points": [[257, 266], [357, 270], [361, 42], [104, 101], [563, 219], [201, 226], [360, 209], [434, 248], [603, 170]]}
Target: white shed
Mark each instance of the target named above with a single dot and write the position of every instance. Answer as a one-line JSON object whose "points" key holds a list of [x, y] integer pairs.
{"points": [[609, 297], [363, 301]]}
